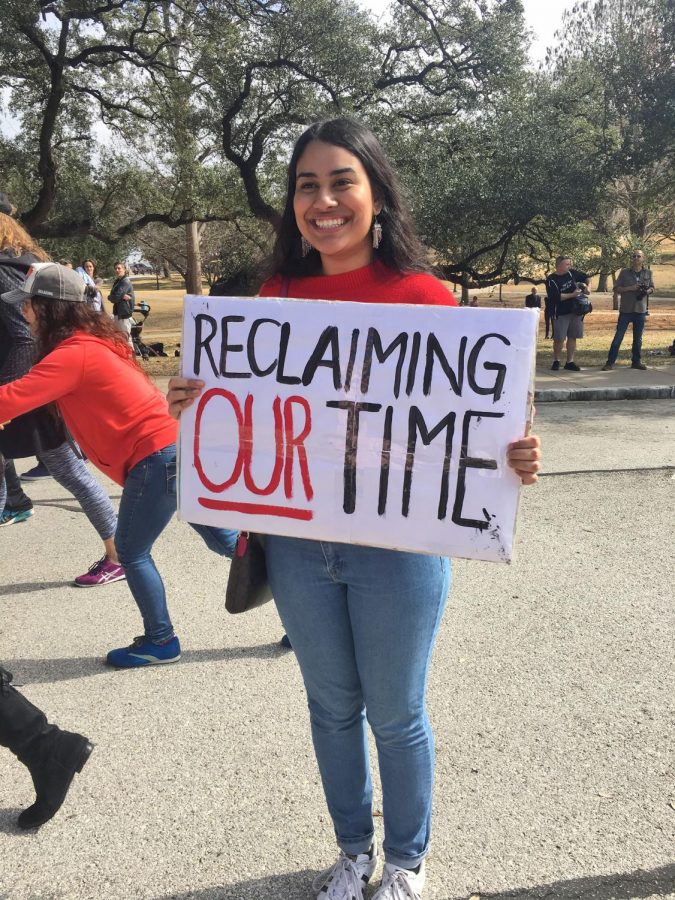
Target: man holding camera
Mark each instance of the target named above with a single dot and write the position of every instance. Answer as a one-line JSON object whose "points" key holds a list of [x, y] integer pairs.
{"points": [[564, 287], [634, 286]]}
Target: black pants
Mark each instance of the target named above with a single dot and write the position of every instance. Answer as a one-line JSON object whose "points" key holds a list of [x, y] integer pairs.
{"points": [[17, 498], [548, 319], [20, 722]]}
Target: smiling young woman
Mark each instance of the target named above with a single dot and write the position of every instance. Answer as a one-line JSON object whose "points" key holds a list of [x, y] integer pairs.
{"points": [[362, 620]]}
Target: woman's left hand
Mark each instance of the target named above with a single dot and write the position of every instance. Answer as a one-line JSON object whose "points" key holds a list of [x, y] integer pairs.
{"points": [[524, 457], [2, 424]]}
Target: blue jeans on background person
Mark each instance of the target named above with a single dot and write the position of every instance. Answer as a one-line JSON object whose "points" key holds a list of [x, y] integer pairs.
{"points": [[624, 320], [148, 503], [362, 622]]}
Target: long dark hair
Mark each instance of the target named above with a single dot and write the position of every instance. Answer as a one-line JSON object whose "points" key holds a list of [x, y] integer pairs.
{"points": [[400, 248], [58, 320]]}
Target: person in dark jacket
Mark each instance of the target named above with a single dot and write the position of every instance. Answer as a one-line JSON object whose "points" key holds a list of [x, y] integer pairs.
{"points": [[40, 433], [51, 755], [533, 300], [122, 298]]}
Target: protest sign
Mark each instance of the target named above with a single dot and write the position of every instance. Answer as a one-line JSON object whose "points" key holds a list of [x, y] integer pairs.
{"points": [[377, 424]]}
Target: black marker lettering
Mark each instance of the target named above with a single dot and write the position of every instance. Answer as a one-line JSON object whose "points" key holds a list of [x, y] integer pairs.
{"points": [[354, 410], [352, 359], [417, 424], [496, 388], [204, 343], [328, 338], [434, 349], [412, 368], [282, 378], [384, 461], [374, 342], [226, 348], [250, 348], [470, 462]]}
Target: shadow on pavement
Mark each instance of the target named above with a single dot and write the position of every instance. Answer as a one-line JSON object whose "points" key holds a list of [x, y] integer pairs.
{"points": [[35, 671], [629, 886], [62, 501], [297, 886], [8, 824], [289, 886], [30, 587]]}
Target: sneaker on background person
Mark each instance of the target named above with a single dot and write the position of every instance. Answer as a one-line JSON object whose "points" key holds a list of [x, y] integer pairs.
{"points": [[143, 652], [401, 884], [11, 516], [103, 571], [37, 473]]}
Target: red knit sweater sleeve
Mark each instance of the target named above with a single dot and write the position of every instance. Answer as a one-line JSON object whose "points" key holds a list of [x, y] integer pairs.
{"points": [[59, 373]]}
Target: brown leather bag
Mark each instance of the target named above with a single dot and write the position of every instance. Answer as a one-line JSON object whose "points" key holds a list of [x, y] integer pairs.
{"points": [[247, 585]]}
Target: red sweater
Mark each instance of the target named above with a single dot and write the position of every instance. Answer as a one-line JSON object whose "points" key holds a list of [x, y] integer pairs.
{"points": [[372, 284], [114, 413]]}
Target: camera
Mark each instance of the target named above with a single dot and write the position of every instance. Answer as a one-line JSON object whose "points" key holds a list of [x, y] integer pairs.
{"points": [[642, 293]]}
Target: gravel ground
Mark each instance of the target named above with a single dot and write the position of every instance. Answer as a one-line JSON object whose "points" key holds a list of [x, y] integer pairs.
{"points": [[552, 698]]}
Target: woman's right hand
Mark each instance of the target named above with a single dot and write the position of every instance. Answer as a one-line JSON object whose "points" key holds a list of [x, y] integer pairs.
{"points": [[182, 393]]}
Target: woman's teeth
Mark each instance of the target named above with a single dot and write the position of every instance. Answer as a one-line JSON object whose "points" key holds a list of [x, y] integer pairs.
{"points": [[328, 223]]}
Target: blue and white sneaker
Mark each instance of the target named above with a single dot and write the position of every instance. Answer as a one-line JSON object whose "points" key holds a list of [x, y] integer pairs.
{"points": [[144, 653], [13, 516]]}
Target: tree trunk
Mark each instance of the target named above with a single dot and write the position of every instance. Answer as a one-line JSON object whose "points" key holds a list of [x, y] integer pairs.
{"points": [[193, 274], [615, 296], [602, 281], [465, 292]]}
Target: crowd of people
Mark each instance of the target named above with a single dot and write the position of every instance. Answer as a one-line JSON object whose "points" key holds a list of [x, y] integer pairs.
{"points": [[352, 613]]}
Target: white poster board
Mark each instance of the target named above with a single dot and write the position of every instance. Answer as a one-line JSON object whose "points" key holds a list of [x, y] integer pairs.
{"points": [[367, 423]]}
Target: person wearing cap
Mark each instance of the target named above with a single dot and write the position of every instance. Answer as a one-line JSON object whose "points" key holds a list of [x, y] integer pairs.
{"points": [[122, 423], [40, 433]]}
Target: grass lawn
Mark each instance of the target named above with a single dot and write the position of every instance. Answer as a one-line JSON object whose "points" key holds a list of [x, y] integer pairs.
{"points": [[164, 324]]}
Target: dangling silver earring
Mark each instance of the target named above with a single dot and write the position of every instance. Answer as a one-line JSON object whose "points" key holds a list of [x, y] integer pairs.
{"points": [[377, 234], [305, 244]]}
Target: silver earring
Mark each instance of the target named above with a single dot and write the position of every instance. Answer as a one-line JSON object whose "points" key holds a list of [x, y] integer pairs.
{"points": [[377, 234], [305, 244]]}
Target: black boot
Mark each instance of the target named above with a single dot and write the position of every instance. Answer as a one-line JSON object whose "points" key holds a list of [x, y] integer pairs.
{"points": [[52, 756]]}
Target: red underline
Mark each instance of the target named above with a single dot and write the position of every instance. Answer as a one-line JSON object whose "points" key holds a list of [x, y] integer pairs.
{"points": [[258, 509]]}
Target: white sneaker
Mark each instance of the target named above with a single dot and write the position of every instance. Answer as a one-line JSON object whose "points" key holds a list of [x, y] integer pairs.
{"points": [[347, 877], [401, 884]]}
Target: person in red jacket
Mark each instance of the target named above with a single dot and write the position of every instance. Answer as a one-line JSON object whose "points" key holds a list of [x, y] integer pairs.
{"points": [[121, 422], [362, 620]]}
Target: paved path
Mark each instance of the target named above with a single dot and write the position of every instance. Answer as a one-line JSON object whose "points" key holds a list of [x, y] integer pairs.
{"points": [[622, 383], [552, 698]]}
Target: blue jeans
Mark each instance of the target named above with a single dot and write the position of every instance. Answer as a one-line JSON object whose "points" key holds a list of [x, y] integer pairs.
{"points": [[362, 622], [147, 505], [638, 320]]}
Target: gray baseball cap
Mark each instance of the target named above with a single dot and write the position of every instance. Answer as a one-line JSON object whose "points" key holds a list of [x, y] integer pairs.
{"points": [[6, 205], [48, 281]]}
